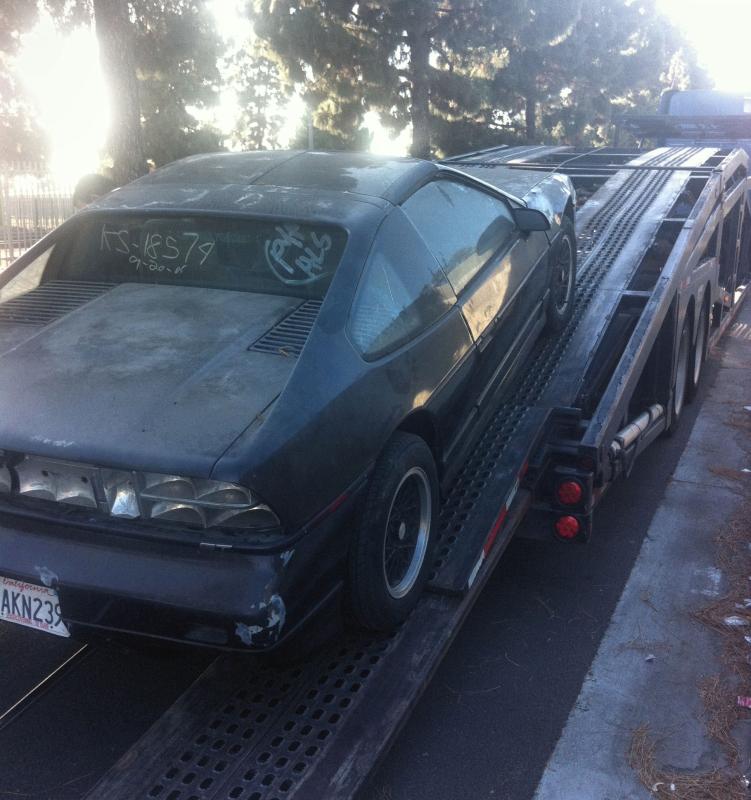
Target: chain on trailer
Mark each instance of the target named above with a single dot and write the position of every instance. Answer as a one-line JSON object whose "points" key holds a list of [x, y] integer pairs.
{"points": [[248, 730]]}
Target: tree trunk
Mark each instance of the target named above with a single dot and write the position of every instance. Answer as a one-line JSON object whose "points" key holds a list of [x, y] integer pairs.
{"points": [[530, 115], [114, 33], [418, 38]]}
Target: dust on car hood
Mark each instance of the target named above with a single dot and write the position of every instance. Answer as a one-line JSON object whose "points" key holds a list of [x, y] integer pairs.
{"points": [[144, 376]]}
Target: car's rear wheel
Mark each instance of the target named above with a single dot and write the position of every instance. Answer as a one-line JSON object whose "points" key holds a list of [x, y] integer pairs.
{"points": [[391, 553], [562, 278]]}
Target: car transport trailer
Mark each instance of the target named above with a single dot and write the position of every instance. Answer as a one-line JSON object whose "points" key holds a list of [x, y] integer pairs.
{"points": [[663, 263]]}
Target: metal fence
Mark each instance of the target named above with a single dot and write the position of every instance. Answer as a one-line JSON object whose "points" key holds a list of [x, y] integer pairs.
{"points": [[32, 203]]}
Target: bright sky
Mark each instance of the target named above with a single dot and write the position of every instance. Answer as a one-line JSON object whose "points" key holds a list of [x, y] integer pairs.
{"points": [[720, 30], [63, 77]]}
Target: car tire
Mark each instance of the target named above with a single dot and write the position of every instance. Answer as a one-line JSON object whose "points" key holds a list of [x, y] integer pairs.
{"points": [[679, 393], [699, 352], [562, 278], [385, 575]]}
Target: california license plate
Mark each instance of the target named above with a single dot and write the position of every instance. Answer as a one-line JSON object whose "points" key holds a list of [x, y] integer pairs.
{"points": [[31, 605]]}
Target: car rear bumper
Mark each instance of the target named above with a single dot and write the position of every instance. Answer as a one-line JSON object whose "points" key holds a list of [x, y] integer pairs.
{"points": [[221, 598]]}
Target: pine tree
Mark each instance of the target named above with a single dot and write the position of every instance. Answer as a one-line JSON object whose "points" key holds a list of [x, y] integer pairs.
{"points": [[176, 54], [351, 57], [261, 96], [20, 137]]}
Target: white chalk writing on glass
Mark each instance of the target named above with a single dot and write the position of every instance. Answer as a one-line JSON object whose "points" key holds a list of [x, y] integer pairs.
{"points": [[153, 266], [158, 249], [114, 241], [296, 256], [173, 251]]}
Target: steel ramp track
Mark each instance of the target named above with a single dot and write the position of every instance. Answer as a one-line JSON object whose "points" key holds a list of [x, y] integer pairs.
{"points": [[250, 731]]}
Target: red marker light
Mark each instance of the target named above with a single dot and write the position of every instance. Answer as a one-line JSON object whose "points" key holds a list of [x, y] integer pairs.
{"points": [[567, 527], [569, 493]]}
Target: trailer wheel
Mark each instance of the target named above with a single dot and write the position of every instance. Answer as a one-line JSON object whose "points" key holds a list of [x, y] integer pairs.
{"points": [[392, 551], [562, 278], [682, 379], [699, 352]]}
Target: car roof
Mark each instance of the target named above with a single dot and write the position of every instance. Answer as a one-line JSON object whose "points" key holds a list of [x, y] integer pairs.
{"points": [[239, 182]]}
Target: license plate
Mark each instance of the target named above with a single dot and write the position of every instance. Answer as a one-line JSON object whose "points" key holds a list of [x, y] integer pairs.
{"points": [[31, 605]]}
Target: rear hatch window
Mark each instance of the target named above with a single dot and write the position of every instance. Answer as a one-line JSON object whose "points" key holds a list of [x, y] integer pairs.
{"points": [[279, 257]]}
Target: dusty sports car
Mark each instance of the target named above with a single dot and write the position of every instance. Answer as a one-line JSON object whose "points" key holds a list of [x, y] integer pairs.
{"points": [[231, 391]]}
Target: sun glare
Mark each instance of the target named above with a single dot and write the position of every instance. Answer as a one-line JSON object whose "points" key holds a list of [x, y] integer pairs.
{"points": [[63, 77], [231, 23], [719, 30], [384, 142]]}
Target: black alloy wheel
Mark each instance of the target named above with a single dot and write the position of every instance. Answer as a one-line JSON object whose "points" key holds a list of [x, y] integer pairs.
{"points": [[391, 553], [407, 533], [562, 278]]}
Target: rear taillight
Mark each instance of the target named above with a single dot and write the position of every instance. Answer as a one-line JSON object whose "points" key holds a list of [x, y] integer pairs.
{"points": [[567, 527], [569, 493]]}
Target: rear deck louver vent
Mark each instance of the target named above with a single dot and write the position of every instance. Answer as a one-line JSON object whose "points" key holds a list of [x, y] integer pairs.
{"points": [[288, 337], [49, 301]]}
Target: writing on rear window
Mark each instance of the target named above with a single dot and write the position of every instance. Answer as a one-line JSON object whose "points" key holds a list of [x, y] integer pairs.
{"points": [[157, 252], [269, 256], [297, 257]]}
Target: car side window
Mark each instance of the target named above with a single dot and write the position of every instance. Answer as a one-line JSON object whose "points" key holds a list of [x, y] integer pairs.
{"points": [[401, 293], [462, 226]]}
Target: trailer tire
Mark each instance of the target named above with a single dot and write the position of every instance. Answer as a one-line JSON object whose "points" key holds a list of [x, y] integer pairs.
{"points": [[562, 278], [699, 352], [679, 393], [386, 577]]}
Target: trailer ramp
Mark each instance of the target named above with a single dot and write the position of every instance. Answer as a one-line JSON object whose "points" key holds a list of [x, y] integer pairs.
{"points": [[247, 730]]}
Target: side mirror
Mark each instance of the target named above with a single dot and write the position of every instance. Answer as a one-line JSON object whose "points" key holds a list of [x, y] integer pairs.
{"points": [[530, 219]]}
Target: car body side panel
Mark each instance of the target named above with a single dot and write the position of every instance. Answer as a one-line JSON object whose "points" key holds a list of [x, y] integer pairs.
{"points": [[330, 425], [517, 274], [453, 405], [501, 307], [551, 196]]}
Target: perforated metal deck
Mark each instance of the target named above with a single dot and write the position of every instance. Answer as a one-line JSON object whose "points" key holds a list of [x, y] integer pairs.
{"points": [[249, 731]]}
